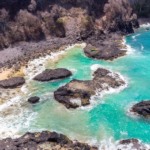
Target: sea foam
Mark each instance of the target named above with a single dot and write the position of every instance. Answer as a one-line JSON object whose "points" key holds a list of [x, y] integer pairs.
{"points": [[36, 66]]}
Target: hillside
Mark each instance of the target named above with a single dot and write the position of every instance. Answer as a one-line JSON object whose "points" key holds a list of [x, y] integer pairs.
{"points": [[36, 20]]}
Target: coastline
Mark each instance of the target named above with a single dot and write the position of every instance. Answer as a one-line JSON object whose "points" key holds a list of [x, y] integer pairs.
{"points": [[103, 144], [12, 63]]}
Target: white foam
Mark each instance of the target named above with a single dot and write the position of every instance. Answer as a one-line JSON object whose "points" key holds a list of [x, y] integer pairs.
{"points": [[18, 118], [128, 48], [36, 66], [111, 144], [146, 25], [24, 89]]}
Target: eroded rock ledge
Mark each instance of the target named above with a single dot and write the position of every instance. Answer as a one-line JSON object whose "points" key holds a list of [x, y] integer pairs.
{"points": [[142, 108], [43, 141], [78, 93], [53, 74]]}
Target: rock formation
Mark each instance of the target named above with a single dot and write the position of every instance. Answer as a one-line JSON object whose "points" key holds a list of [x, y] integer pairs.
{"points": [[78, 93], [142, 108], [43, 141], [53, 74], [12, 82], [132, 144]]}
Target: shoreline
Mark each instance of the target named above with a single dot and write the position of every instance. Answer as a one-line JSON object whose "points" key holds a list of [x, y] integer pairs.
{"points": [[32, 51]]}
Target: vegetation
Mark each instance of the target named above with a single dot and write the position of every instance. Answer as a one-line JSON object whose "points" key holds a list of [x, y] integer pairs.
{"points": [[141, 7]]}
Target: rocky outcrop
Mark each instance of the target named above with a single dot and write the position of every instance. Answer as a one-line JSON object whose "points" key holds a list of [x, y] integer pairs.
{"points": [[142, 108], [107, 52], [104, 46], [33, 100], [78, 93], [132, 144], [45, 141], [53, 74], [12, 82]]}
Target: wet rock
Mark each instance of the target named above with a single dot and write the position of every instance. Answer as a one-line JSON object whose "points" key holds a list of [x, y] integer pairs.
{"points": [[132, 144], [33, 100], [53, 74], [142, 108], [34, 141], [108, 52], [77, 90], [12, 82], [68, 94]]}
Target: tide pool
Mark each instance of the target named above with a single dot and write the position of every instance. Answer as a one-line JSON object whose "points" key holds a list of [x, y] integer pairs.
{"points": [[108, 116]]}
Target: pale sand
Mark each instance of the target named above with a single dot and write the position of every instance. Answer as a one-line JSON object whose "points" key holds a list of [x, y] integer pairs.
{"points": [[8, 73]]}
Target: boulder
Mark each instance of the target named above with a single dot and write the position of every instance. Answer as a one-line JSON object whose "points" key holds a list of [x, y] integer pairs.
{"points": [[33, 100], [12, 82], [132, 144], [75, 89], [81, 91], [108, 52], [142, 108], [53, 74]]}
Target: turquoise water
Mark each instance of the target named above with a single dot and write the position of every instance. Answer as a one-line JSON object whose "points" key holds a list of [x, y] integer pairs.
{"points": [[108, 116]]}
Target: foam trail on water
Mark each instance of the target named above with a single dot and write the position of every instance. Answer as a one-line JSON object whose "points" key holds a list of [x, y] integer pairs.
{"points": [[134, 37], [128, 48]]}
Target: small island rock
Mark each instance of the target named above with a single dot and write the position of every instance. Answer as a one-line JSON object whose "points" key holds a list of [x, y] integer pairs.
{"points": [[142, 108], [33, 100]]}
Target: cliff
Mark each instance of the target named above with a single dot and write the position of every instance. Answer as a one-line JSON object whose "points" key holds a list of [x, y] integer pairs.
{"points": [[36, 20]]}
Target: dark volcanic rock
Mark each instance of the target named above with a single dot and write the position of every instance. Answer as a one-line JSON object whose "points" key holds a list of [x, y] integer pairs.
{"points": [[53, 74], [33, 100], [73, 90], [108, 52], [142, 108], [12, 82], [78, 93], [134, 144], [44, 140]]}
